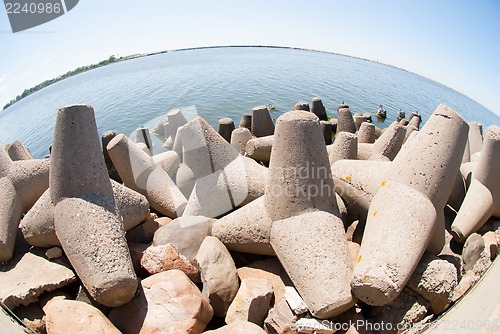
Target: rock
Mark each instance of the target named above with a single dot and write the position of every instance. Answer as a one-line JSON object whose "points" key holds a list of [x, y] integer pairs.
{"points": [[350, 322], [345, 121], [316, 238], [295, 301], [472, 250], [176, 119], [318, 109], [434, 279], [252, 302], [84, 296], [345, 146], [313, 326], [86, 218], [156, 259], [80, 318], [168, 161], [353, 252], [218, 274], [262, 123], [467, 281], [136, 252], [54, 253], [247, 229], [483, 196], [186, 234], [281, 319], [32, 316], [238, 327], [260, 148], [47, 297], [226, 127], [10, 214], [491, 242], [359, 120], [240, 138], [424, 173], [407, 309], [167, 303], [270, 270], [18, 285]]}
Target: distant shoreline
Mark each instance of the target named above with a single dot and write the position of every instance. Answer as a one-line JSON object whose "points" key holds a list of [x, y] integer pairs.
{"points": [[112, 59]]}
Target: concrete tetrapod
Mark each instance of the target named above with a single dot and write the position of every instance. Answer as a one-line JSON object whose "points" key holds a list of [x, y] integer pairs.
{"points": [[240, 138], [475, 137], [262, 123], [366, 133], [176, 119], [345, 121], [483, 196], [260, 148], [318, 109], [17, 151], [85, 216], [139, 173], [345, 146], [388, 144], [396, 233], [226, 127]]}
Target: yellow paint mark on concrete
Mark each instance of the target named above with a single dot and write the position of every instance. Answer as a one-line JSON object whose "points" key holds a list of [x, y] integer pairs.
{"points": [[359, 258], [375, 213], [383, 183], [366, 278], [348, 178]]}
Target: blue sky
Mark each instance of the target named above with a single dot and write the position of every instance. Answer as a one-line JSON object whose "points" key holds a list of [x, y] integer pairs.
{"points": [[454, 42]]}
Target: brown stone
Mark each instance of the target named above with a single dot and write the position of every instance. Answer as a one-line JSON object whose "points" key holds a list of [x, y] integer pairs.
{"points": [[238, 327], [281, 319]]}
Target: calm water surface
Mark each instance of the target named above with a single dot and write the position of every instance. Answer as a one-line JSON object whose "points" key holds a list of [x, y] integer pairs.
{"points": [[227, 82]]}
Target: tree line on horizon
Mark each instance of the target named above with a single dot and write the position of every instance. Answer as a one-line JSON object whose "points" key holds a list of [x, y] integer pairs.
{"points": [[111, 59]]}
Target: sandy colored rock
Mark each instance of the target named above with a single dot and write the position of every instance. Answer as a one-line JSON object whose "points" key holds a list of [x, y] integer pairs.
{"points": [[491, 242], [54, 253], [167, 303], [218, 274], [238, 327], [472, 250], [280, 319], [81, 318], [156, 259], [434, 279], [18, 285], [186, 234], [295, 301], [387, 145], [252, 302]]}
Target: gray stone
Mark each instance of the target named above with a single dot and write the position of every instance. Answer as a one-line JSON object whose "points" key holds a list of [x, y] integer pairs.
{"points": [[218, 274], [17, 151], [18, 284], [434, 279], [316, 239], [262, 123], [85, 216], [226, 127], [299, 177], [247, 229], [32, 316], [186, 234], [11, 212], [144, 232], [167, 303], [142, 136], [491, 242], [252, 302], [359, 120], [79, 318], [169, 161], [176, 119], [260, 148], [318, 109]]}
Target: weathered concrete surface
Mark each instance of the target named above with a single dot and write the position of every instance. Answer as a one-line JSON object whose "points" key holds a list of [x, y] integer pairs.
{"points": [[70, 316], [17, 151], [475, 137], [10, 215], [18, 284], [316, 238], [366, 133], [262, 123], [345, 121], [218, 274], [260, 148], [226, 127], [280, 319], [252, 302], [240, 138], [318, 108], [167, 303], [304, 106], [388, 144]]}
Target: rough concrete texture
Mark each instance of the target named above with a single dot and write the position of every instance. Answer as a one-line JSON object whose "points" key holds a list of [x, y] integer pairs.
{"points": [[475, 137], [422, 176], [472, 250], [316, 238], [299, 177], [345, 121], [260, 148], [31, 179], [252, 302], [342, 106], [85, 217], [226, 127], [218, 274], [240, 138], [491, 242], [407, 310], [169, 161], [84, 318], [156, 259], [18, 284], [318, 108], [176, 119], [483, 196], [280, 319], [186, 234], [11, 212], [167, 303], [295, 301], [434, 279], [246, 121], [106, 137], [345, 146], [409, 130], [326, 129], [271, 270], [138, 173], [304, 106], [366, 133], [38, 227], [159, 129], [238, 327], [359, 120], [262, 123], [388, 144], [247, 229], [17, 151]]}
